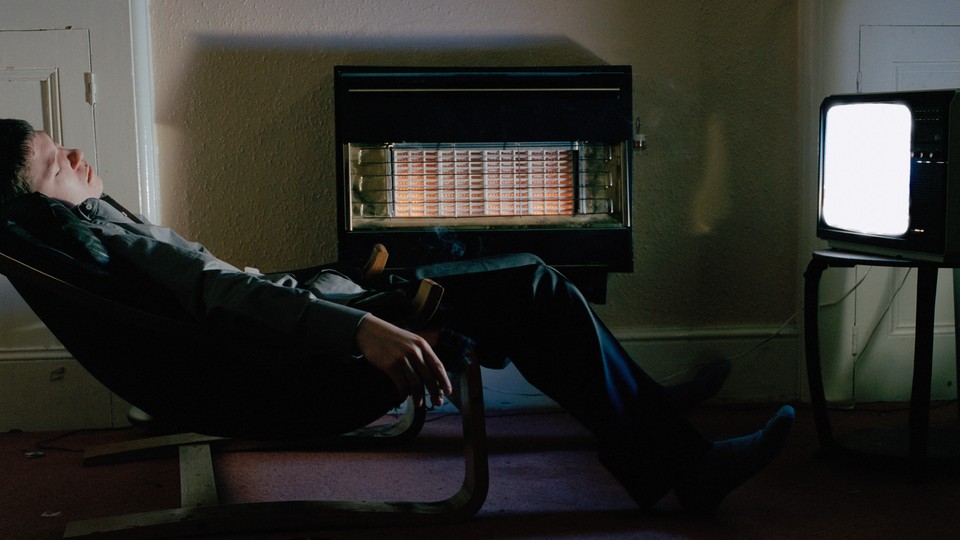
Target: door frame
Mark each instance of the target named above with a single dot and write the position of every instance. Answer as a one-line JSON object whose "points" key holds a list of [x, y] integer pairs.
{"points": [[120, 49], [124, 109]]}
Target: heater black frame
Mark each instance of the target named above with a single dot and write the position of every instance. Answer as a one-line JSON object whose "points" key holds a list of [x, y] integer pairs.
{"points": [[375, 105]]}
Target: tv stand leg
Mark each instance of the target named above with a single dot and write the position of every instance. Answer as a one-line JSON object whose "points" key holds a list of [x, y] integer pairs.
{"points": [[956, 331], [811, 324], [922, 361]]}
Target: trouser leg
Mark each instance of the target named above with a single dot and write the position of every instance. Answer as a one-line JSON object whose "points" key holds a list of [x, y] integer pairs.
{"points": [[537, 318]]}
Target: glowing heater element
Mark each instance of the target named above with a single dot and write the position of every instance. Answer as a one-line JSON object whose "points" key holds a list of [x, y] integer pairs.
{"points": [[487, 185], [866, 168], [461, 182]]}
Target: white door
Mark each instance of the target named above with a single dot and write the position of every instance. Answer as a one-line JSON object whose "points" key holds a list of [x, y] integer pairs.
{"points": [[903, 58], [43, 79], [43, 82]]}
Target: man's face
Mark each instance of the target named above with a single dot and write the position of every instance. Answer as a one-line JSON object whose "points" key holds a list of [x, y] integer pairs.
{"points": [[61, 173]]}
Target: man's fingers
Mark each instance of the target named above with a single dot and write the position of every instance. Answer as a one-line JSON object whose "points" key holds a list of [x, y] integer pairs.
{"points": [[408, 380], [443, 380], [413, 380], [438, 374], [407, 358], [425, 376], [428, 372]]}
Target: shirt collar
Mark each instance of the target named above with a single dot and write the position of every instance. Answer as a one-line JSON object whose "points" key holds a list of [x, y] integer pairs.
{"points": [[93, 209]]}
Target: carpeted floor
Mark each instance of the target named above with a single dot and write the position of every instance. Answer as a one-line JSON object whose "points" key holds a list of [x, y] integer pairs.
{"points": [[544, 483]]}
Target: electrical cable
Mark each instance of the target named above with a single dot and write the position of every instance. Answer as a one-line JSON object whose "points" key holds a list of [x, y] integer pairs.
{"points": [[876, 326], [848, 293], [768, 339], [873, 332], [776, 333]]}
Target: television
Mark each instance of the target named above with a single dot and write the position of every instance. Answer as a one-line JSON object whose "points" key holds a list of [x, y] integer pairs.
{"points": [[890, 174]]}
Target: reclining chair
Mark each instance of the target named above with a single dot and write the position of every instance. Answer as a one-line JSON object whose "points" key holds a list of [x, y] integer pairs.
{"points": [[143, 346]]}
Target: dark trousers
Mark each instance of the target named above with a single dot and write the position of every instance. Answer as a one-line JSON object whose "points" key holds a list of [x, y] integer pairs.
{"points": [[518, 308]]}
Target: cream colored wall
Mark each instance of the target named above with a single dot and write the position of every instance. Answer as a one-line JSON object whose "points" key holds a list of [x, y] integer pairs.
{"points": [[246, 152]]}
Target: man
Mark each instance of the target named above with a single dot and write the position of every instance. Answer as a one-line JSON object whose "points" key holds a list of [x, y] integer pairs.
{"points": [[512, 308]]}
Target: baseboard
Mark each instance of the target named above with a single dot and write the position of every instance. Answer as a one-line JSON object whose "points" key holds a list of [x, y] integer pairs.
{"points": [[13, 354], [40, 393], [766, 364], [765, 359]]}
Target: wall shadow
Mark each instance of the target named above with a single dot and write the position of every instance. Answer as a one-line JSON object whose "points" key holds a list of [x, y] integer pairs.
{"points": [[247, 141]]}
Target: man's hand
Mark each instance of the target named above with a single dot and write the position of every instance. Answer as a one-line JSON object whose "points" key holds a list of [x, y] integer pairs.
{"points": [[406, 357]]}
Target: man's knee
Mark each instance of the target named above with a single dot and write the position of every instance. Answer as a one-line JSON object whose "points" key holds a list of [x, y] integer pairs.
{"points": [[479, 265]]}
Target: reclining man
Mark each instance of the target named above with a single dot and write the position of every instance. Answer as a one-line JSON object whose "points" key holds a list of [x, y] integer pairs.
{"points": [[522, 310]]}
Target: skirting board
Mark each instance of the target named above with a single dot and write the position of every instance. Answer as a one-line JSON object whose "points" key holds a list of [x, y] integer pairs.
{"points": [[766, 368], [766, 365], [51, 394]]}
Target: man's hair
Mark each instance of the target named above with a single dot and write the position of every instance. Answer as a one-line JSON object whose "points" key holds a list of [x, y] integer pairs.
{"points": [[15, 136]]}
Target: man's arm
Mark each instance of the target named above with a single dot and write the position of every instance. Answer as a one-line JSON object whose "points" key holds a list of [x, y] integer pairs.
{"points": [[407, 358], [212, 289]]}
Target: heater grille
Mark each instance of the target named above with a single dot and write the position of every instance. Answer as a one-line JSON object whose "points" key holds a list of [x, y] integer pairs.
{"points": [[562, 182], [458, 182], [443, 163]]}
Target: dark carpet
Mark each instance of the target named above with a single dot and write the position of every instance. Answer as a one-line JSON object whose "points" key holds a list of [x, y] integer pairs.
{"points": [[545, 482]]}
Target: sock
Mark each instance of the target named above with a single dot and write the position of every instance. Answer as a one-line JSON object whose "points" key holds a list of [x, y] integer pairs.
{"points": [[732, 462], [704, 385]]}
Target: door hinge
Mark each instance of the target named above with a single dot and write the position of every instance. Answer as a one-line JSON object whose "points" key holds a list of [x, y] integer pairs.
{"points": [[91, 87]]}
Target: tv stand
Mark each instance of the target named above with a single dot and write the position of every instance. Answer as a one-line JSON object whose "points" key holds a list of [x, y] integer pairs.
{"points": [[918, 445]]}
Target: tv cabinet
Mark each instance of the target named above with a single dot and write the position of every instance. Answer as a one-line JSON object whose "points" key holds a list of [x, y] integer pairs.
{"points": [[916, 446]]}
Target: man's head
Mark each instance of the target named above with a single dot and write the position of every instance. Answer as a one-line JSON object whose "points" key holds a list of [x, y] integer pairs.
{"points": [[15, 137], [30, 161]]}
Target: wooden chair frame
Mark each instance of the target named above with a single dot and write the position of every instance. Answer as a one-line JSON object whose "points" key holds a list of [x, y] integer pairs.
{"points": [[201, 514]]}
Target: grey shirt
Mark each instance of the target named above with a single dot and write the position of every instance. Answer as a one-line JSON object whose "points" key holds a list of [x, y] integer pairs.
{"points": [[210, 288]]}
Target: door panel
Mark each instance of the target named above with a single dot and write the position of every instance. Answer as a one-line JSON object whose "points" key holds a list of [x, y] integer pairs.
{"points": [[32, 94], [903, 58]]}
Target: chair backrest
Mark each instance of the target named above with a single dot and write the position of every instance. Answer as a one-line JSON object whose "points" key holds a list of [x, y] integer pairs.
{"points": [[135, 338]]}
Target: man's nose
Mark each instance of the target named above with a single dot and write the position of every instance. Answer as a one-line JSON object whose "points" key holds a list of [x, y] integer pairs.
{"points": [[75, 155]]}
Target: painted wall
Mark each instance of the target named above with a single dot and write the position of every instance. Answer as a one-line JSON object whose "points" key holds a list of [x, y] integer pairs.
{"points": [[246, 152]]}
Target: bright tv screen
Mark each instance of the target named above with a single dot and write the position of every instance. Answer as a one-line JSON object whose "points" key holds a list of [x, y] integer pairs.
{"points": [[889, 182], [866, 168]]}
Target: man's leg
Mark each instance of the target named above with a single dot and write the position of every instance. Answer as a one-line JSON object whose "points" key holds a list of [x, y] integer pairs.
{"points": [[533, 315], [538, 319]]}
